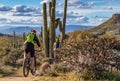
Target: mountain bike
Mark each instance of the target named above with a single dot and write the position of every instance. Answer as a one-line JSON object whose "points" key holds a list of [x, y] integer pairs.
{"points": [[27, 65]]}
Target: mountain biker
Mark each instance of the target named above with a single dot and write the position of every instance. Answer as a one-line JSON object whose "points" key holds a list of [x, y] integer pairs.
{"points": [[56, 48], [29, 47]]}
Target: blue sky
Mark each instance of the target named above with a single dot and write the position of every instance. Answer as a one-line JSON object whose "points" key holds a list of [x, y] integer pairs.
{"points": [[80, 12]]}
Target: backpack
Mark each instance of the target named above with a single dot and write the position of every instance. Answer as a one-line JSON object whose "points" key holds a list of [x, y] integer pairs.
{"points": [[30, 38], [57, 39]]}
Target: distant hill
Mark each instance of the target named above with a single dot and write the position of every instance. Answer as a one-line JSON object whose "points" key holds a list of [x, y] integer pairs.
{"points": [[1, 34], [20, 30], [112, 25], [4, 35]]}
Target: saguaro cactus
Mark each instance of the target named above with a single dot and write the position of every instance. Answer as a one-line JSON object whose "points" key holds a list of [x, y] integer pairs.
{"points": [[41, 33], [14, 38], [45, 31], [52, 32], [24, 36], [49, 33], [64, 19]]}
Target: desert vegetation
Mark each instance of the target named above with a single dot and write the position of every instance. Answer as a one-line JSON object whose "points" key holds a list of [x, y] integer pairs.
{"points": [[84, 54]]}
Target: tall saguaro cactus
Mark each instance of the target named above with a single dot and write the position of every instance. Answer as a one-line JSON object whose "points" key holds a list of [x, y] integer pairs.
{"points": [[45, 31], [64, 19], [52, 31], [49, 33]]}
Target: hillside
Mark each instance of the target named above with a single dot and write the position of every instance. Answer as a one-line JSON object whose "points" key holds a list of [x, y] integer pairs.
{"points": [[112, 25]]}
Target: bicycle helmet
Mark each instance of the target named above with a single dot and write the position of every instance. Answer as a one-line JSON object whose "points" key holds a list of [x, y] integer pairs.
{"points": [[33, 31]]}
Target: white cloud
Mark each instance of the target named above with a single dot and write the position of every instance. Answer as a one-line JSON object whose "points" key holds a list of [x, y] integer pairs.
{"points": [[4, 20], [108, 8], [44, 1], [21, 15], [80, 4], [23, 8], [59, 4], [91, 3], [73, 1], [20, 20], [78, 20], [101, 20], [81, 19], [59, 13], [4, 8]]}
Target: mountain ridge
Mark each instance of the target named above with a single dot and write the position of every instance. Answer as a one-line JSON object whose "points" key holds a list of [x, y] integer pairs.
{"points": [[111, 25], [20, 30]]}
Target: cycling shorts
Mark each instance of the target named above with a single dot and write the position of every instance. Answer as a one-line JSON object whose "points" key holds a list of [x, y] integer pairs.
{"points": [[29, 48]]}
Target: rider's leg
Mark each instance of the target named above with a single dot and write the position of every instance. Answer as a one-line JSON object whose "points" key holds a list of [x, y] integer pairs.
{"points": [[54, 55], [32, 60], [25, 52], [57, 55]]}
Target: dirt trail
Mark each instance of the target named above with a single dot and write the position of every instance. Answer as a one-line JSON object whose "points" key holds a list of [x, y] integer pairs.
{"points": [[20, 77]]}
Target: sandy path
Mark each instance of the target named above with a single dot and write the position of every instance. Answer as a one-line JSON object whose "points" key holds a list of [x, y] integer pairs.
{"points": [[20, 77]]}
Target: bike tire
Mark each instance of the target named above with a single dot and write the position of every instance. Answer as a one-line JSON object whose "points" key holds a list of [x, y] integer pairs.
{"points": [[26, 67], [32, 72]]}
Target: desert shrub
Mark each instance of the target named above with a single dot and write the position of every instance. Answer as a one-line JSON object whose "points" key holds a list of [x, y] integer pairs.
{"points": [[71, 76], [52, 74], [87, 35], [94, 54], [109, 34], [80, 35], [60, 68], [7, 69], [87, 75], [117, 77], [12, 57]]}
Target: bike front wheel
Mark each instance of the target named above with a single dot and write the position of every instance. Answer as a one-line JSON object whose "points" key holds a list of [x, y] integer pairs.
{"points": [[26, 67]]}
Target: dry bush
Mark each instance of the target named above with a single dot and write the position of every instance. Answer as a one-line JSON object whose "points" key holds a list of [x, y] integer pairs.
{"points": [[80, 35], [94, 54], [61, 68], [12, 57]]}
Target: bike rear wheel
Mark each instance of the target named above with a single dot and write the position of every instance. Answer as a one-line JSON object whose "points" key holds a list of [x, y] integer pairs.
{"points": [[26, 67], [33, 71]]}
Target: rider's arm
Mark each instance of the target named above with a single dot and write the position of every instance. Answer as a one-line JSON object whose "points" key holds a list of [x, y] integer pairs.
{"points": [[37, 41]]}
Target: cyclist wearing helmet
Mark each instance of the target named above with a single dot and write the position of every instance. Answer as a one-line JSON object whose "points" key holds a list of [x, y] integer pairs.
{"points": [[29, 46], [56, 48]]}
